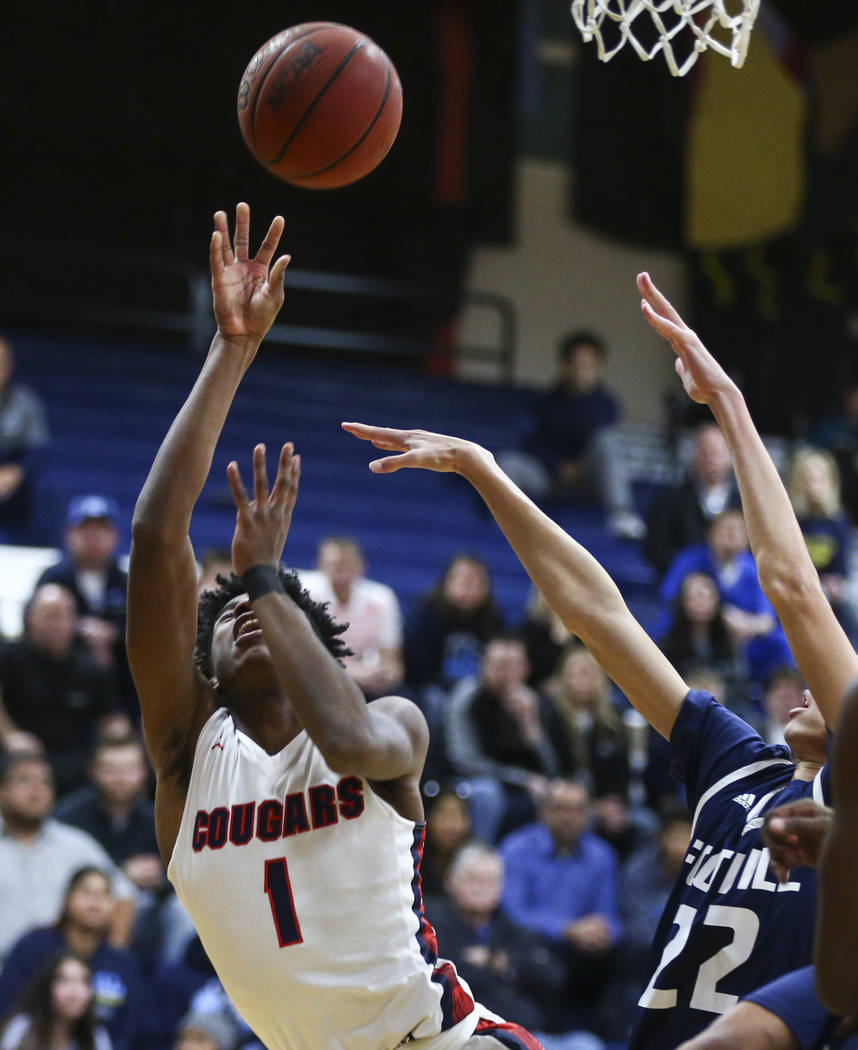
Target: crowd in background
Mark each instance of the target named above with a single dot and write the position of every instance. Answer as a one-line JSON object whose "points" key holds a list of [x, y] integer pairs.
{"points": [[554, 831]]}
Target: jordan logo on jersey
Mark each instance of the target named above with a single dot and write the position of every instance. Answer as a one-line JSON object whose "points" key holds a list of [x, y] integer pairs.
{"points": [[319, 807]]}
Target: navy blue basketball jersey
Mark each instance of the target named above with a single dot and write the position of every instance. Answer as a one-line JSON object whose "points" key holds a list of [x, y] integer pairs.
{"points": [[729, 926]]}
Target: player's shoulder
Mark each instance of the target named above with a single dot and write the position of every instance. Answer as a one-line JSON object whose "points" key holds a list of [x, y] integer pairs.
{"points": [[403, 711]]}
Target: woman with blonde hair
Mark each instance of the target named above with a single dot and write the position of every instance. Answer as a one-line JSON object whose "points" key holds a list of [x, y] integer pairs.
{"points": [[596, 747], [814, 490]]}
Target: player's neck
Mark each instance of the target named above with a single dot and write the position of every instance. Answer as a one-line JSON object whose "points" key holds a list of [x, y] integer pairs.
{"points": [[806, 769], [271, 724]]}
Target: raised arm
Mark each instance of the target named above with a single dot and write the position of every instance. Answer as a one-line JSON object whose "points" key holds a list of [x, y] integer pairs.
{"points": [[837, 907], [386, 740], [821, 649], [162, 590], [574, 584]]}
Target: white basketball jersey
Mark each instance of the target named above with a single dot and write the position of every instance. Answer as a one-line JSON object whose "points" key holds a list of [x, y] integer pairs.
{"points": [[304, 886]]}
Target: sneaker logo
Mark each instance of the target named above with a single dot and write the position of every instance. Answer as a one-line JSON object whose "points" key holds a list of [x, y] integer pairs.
{"points": [[746, 801]]}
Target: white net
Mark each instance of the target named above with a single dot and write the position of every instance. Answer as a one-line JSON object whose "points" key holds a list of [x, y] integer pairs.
{"points": [[680, 29]]}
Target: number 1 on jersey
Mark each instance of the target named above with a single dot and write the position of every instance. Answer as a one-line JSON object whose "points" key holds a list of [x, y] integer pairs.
{"points": [[279, 891]]}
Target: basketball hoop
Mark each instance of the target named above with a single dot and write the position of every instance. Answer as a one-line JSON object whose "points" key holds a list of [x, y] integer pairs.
{"points": [[673, 25]]}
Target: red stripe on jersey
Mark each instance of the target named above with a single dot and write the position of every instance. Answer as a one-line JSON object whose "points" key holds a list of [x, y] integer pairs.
{"points": [[426, 933], [463, 1004], [510, 1035]]}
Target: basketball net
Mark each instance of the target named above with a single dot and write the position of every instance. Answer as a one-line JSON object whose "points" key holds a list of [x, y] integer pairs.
{"points": [[677, 25]]}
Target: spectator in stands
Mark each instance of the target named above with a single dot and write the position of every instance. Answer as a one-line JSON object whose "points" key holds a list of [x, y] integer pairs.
{"points": [[448, 627], [39, 855], [115, 810], [90, 571], [24, 441], [56, 1010], [749, 615], [624, 827], [561, 882], [784, 694], [448, 828], [216, 561], [814, 490], [556, 457], [699, 636], [83, 928], [680, 517], [647, 880], [499, 737], [171, 992], [591, 736], [53, 689], [838, 433], [507, 967], [545, 637], [371, 610]]}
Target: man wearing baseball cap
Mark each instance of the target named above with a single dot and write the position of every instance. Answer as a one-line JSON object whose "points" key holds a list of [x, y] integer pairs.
{"points": [[90, 570]]}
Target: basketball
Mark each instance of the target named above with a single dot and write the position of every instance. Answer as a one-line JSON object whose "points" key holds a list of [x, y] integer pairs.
{"points": [[319, 105]]}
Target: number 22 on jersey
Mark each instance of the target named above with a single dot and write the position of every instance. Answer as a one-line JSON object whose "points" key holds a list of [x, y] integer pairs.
{"points": [[745, 925]]}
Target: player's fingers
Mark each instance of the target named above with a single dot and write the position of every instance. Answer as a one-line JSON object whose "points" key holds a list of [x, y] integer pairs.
{"points": [[236, 485], [222, 226], [284, 470], [392, 463], [242, 231], [659, 302], [278, 273], [663, 325], [271, 240], [381, 437], [260, 475], [216, 254]]}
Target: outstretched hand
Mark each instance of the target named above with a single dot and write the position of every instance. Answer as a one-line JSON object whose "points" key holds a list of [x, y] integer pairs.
{"points": [[794, 834], [418, 448], [262, 523], [247, 297], [701, 375]]}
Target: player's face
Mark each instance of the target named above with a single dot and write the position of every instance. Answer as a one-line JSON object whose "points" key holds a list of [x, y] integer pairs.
{"points": [[240, 657], [805, 732]]}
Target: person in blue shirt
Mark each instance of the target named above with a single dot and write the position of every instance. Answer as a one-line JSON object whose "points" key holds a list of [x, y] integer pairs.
{"points": [[748, 613], [83, 928], [561, 879], [728, 927]]}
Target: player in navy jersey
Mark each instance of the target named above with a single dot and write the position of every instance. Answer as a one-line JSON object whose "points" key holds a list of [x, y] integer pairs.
{"points": [[729, 926], [287, 808]]}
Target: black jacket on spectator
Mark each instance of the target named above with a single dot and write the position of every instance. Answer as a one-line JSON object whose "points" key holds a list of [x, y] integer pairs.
{"points": [[58, 700], [675, 520], [527, 973], [442, 645], [112, 610], [604, 752], [84, 810]]}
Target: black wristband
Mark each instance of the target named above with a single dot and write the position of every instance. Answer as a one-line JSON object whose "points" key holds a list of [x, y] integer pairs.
{"points": [[261, 579]]}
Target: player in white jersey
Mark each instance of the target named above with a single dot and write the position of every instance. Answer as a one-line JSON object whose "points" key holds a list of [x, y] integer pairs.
{"points": [[287, 808], [728, 926]]}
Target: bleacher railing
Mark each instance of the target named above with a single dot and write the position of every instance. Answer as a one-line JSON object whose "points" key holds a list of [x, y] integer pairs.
{"points": [[149, 293]]}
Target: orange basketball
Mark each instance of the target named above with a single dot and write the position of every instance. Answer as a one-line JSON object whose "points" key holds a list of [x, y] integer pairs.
{"points": [[319, 105]]}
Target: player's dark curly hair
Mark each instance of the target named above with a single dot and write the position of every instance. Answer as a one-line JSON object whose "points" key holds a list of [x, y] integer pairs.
{"points": [[229, 587]]}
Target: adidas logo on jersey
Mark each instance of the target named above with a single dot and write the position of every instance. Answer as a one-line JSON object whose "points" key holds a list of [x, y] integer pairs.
{"points": [[745, 801]]}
